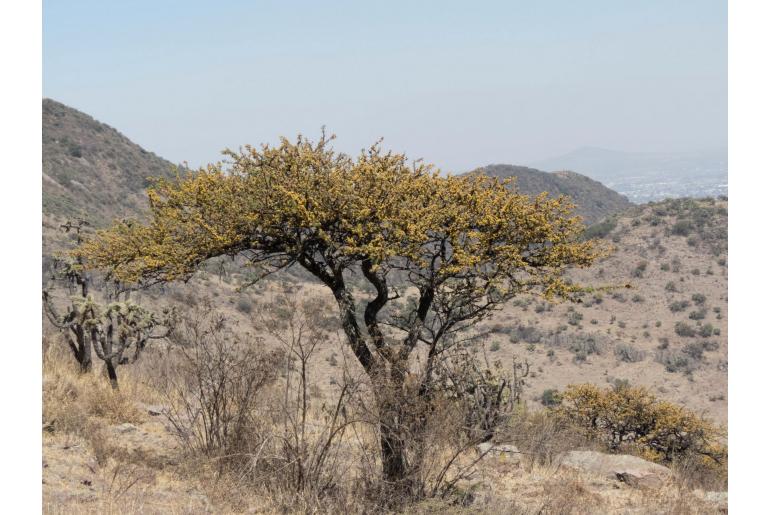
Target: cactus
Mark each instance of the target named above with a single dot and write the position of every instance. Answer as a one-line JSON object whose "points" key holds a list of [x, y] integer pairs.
{"points": [[109, 330]]}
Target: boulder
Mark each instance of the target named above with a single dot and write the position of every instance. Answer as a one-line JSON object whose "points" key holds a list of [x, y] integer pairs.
{"points": [[632, 470]]}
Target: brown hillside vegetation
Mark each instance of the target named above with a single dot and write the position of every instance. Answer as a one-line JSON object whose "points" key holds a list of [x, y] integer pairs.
{"points": [[91, 170], [663, 326]]}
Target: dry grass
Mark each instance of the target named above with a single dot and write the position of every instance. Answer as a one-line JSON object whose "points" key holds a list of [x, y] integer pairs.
{"points": [[70, 399], [86, 471], [144, 471]]}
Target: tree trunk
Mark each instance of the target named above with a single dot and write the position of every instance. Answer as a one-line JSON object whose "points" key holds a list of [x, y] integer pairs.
{"points": [[84, 356], [394, 466], [394, 432], [112, 374]]}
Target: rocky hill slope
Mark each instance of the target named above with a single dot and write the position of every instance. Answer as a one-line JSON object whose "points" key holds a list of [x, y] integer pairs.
{"points": [[91, 170], [594, 201], [662, 323]]}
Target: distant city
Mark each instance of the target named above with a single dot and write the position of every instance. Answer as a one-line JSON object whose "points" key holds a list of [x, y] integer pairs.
{"points": [[650, 188], [648, 177]]}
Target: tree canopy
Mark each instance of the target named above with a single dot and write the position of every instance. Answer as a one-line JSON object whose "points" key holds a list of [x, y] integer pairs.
{"points": [[303, 203]]}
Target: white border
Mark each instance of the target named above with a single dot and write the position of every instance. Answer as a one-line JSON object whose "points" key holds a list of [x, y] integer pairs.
{"points": [[20, 361], [749, 148]]}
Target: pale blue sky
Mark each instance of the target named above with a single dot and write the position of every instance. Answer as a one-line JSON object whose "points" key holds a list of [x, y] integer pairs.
{"points": [[461, 84]]}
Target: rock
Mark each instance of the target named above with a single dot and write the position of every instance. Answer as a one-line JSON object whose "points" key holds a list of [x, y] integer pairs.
{"points": [[125, 428], [717, 498], [632, 470], [507, 451]]}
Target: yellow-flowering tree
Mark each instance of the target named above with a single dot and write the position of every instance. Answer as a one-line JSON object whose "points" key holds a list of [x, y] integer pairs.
{"points": [[460, 245]]}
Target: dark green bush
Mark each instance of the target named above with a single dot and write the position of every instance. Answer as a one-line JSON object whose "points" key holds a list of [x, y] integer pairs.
{"points": [[679, 306], [682, 228], [640, 269], [601, 229], [245, 305], [628, 353], [550, 397], [684, 329]]}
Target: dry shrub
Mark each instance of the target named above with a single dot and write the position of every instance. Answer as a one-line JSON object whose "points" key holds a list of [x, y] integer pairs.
{"points": [[247, 417], [541, 437], [439, 424], [71, 398], [262, 430], [218, 386], [312, 457], [568, 496]]}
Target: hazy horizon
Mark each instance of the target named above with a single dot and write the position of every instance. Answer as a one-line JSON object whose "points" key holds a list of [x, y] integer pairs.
{"points": [[507, 83]]}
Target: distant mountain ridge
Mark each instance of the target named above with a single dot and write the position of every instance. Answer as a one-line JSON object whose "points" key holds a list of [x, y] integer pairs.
{"points": [[594, 200], [91, 170]]}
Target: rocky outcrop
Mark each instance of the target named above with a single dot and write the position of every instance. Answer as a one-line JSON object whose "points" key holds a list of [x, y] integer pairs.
{"points": [[632, 470]]}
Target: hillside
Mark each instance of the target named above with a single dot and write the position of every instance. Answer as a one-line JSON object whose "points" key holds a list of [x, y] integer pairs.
{"points": [[91, 170], [594, 200], [663, 325]]}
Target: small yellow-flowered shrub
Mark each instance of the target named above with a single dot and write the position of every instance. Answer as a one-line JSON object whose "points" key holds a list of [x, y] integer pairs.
{"points": [[632, 418]]}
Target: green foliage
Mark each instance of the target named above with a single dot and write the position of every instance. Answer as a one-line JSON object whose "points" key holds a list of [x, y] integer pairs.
{"points": [[550, 397], [628, 353], [707, 330], [684, 329], [601, 229], [245, 305], [682, 228], [574, 318], [674, 361], [679, 306]]}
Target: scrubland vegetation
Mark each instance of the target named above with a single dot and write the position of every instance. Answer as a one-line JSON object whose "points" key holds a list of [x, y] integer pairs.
{"points": [[365, 336]]}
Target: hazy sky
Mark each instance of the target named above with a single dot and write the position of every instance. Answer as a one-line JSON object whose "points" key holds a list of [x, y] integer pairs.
{"points": [[461, 84]]}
